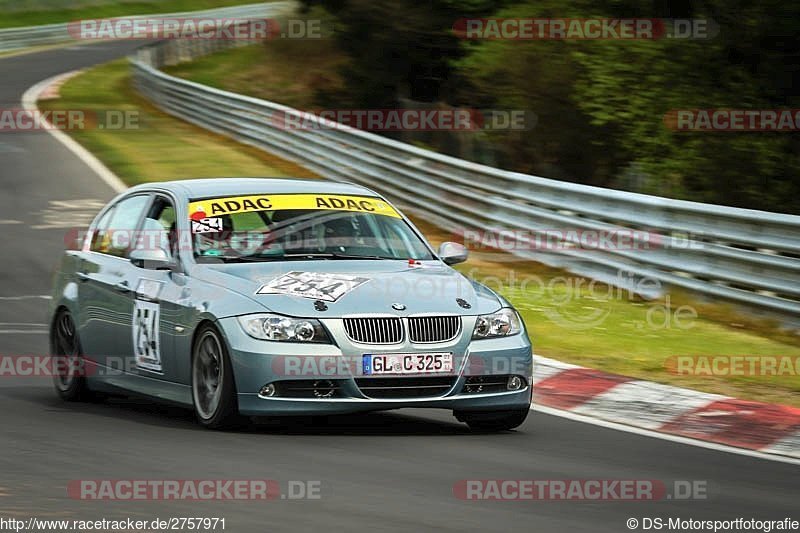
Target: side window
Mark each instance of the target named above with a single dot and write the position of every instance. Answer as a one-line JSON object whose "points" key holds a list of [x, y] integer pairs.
{"points": [[100, 238], [121, 228], [159, 228]]}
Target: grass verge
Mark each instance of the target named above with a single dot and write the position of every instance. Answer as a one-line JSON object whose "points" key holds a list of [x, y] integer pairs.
{"points": [[595, 325], [285, 71], [568, 318], [159, 147]]}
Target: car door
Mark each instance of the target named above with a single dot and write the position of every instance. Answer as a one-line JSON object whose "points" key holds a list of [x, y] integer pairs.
{"points": [[155, 298], [105, 284]]}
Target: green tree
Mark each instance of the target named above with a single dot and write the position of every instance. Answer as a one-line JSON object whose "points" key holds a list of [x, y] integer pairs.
{"points": [[632, 86], [601, 105], [398, 48]]}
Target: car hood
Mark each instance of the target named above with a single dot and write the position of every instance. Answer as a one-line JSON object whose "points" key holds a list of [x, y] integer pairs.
{"points": [[392, 287]]}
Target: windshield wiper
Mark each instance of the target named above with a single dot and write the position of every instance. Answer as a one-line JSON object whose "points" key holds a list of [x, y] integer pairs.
{"points": [[237, 258], [333, 255], [296, 257]]}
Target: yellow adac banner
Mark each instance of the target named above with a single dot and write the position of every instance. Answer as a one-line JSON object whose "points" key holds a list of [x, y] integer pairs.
{"points": [[276, 202]]}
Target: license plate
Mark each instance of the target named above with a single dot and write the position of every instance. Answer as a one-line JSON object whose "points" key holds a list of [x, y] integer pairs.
{"points": [[407, 363]]}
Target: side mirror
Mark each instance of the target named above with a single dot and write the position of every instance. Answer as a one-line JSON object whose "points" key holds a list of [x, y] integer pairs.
{"points": [[452, 253], [152, 259]]}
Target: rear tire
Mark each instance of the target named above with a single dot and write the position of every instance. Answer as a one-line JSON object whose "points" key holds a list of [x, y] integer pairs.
{"points": [[213, 387], [67, 359], [492, 421]]}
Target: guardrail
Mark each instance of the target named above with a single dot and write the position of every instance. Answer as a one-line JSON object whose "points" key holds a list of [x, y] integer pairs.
{"points": [[747, 256], [24, 37]]}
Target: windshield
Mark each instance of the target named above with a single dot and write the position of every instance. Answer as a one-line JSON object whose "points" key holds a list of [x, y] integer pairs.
{"points": [[299, 227]]}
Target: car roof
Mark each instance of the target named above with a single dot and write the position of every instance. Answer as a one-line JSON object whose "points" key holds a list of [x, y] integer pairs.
{"points": [[219, 187]]}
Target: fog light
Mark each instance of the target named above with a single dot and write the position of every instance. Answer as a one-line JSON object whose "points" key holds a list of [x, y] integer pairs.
{"points": [[267, 390], [515, 383], [324, 388], [474, 384]]}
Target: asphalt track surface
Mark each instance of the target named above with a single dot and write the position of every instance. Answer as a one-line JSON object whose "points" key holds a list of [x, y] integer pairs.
{"points": [[389, 471]]}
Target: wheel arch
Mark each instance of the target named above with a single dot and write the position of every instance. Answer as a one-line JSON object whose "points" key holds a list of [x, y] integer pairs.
{"points": [[202, 324]]}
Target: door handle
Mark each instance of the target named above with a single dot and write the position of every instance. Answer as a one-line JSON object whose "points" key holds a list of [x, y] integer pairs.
{"points": [[122, 286], [83, 276]]}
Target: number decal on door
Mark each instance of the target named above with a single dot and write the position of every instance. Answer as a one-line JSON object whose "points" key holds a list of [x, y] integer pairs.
{"points": [[146, 345]]}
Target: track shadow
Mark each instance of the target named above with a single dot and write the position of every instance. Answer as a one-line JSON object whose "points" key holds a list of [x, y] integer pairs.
{"points": [[145, 411], [384, 423]]}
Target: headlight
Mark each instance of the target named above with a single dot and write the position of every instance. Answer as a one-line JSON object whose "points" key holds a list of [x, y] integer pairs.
{"points": [[500, 324], [283, 328]]}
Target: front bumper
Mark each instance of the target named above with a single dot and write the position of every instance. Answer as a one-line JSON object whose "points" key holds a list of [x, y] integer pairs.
{"points": [[257, 363], [253, 405]]}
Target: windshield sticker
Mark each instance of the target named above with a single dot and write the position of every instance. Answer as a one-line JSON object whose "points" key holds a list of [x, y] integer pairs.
{"points": [[313, 285], [245, 204], [207, 225]]}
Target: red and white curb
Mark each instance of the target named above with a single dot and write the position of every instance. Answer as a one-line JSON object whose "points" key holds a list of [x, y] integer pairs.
{"points": [[762, 427]]}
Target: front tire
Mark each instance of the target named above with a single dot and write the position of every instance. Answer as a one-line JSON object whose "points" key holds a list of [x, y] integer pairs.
{"points": [[213, 387], [492, 421]]}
